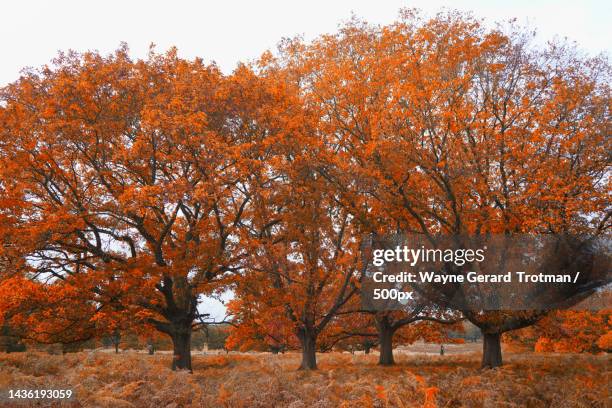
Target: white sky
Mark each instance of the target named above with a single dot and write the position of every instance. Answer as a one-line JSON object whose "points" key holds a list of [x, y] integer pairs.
{"points": [[228, 31], [31, 32]]}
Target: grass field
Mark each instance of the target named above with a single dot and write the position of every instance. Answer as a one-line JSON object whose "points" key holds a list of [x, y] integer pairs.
{"points": [[130, 379]]}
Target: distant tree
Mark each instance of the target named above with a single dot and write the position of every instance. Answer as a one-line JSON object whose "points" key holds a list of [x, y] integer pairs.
{"points": [[10, 341]]}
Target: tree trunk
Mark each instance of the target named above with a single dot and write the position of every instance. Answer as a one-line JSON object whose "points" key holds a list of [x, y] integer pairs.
{"points": [[116, 340], [308, 340], [491, 350], [385, 341], [181, 341], [180, 311]]}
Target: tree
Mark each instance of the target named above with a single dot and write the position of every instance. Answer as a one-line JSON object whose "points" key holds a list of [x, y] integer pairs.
{"points": [[386, 322], [123, 182], [419, 324], [448, 128], [130, 188], [9, 341], [303, 261], [305, 264]]}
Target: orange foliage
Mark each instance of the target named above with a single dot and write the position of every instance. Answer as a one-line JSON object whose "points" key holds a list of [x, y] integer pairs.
{"points": [[129, 189], [605, 341], [131, 379], [569, 331], [112, 210], [443, 126]]}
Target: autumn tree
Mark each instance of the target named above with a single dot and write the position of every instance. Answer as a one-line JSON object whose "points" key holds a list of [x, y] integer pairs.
{"points": [[131, 188], [123, 183], [420, 324], [450, 128], [303, 261]]}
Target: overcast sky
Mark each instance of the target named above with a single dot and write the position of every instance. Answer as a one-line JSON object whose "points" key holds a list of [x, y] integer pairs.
{"points": [[32, 32], [229, 31]]}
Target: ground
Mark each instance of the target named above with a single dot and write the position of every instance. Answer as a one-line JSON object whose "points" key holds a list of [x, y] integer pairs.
{"points": [[420, 379]]}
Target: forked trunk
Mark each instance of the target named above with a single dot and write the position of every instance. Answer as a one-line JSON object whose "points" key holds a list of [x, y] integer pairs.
{"points": [[181, 342], [308, 340], [491, 350]]}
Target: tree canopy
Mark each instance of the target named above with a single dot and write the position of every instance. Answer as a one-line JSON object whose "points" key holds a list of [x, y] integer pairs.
{"points": [[129, 189]]}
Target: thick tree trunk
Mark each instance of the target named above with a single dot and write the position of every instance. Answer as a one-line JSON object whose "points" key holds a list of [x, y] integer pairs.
{"points": [[385, 341], [181, 341], [491, 350], [308, 340], [180, 311]]}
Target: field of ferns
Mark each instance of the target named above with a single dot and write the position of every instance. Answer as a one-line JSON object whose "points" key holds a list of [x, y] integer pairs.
{"points": [[131, 379]]}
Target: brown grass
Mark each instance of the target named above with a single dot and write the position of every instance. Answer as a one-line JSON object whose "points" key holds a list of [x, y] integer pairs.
{"points": [[343, 380]]}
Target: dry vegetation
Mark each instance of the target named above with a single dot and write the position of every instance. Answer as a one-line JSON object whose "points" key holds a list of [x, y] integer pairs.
{"points": [[344, 380]]}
